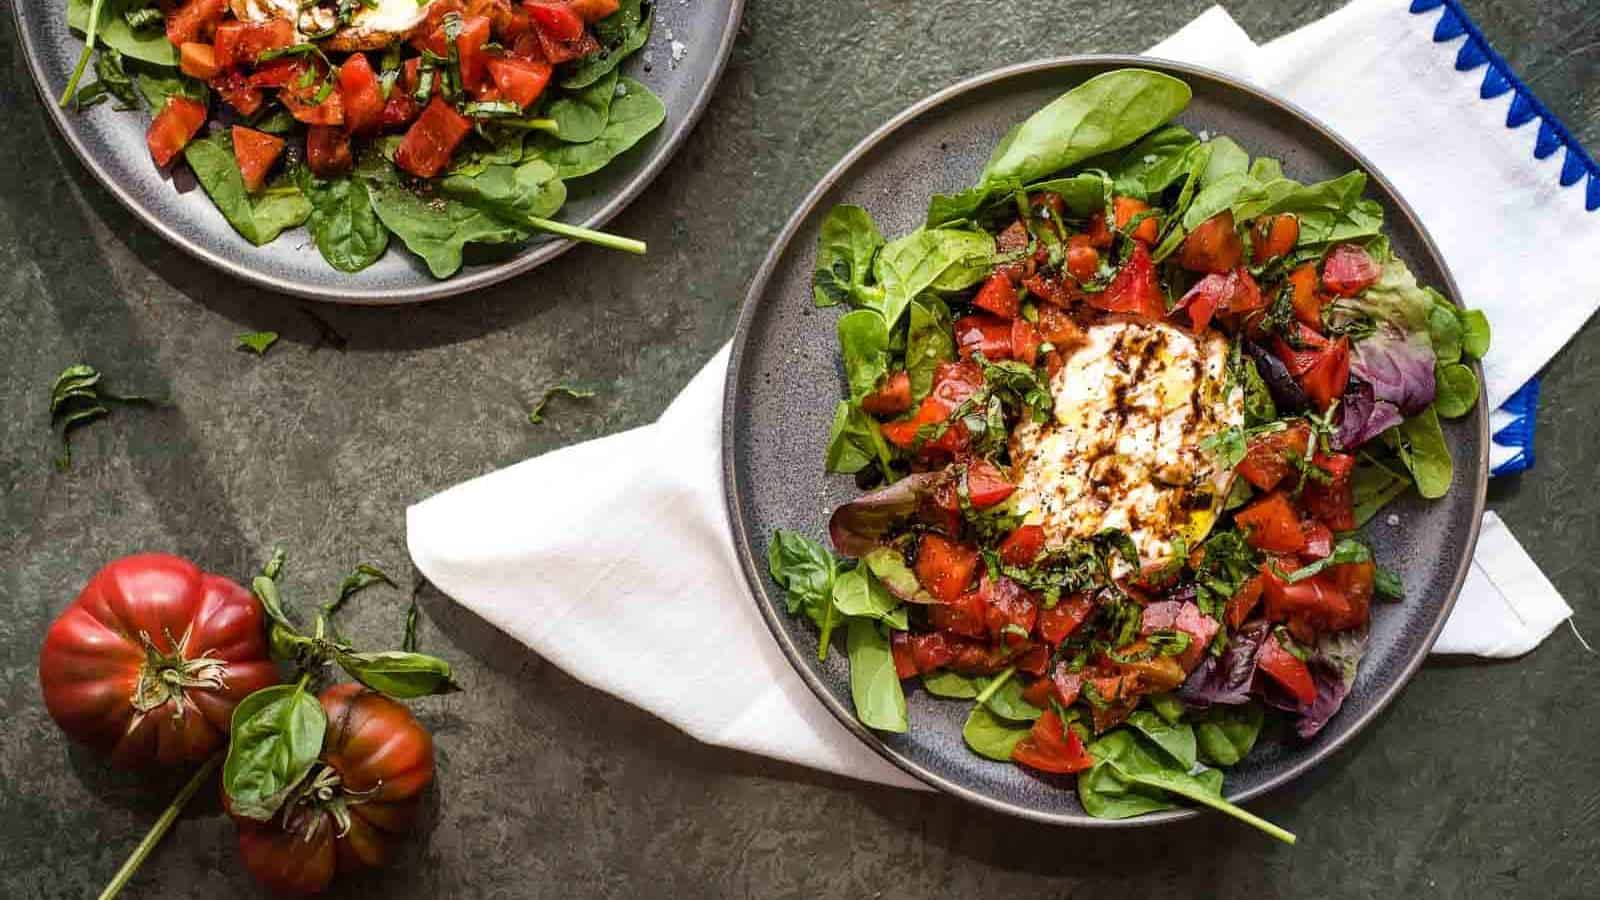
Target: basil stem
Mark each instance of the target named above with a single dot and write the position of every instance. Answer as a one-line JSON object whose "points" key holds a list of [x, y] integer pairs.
{"points": [[159, 829]]}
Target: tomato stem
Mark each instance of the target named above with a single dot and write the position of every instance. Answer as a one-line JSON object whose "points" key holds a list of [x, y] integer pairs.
{"points": [[159, 829]]}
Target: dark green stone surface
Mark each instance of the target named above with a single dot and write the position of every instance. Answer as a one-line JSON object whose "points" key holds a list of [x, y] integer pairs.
{"points": [[1483, 779]]}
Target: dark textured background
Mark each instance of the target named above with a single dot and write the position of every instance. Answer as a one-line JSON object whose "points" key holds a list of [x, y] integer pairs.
{"points": [[1482, 780]]}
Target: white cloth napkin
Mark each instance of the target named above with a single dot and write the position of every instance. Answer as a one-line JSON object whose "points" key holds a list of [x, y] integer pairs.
{"points": [[634, 587]]}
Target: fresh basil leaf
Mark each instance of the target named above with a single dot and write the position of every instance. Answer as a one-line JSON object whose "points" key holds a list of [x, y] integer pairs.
{"points": [[260, 217], [847, 243], [257, 342], [864, 347], [954, 685], [114, 31], [1225, 734], [1348, 550], [1456, 391], [855, 442], [806, 570], [1176, 740], [874, 686], [276, 737], [945, 258], [346, 230], [399, 674], [619, 34], [989, 735], [635, 112], [1419, 441], [858, 593], [1474, 333], [581, 114], [1386, 584]]}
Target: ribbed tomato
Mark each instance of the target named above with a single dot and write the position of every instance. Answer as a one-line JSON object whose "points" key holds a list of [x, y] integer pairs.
{"points": [[356, 805], [150, 660]]}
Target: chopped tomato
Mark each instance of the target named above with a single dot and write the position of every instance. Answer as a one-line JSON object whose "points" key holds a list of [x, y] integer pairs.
{"points": [[1349, 270], [328, 150], [1052, 289], [979, 657], [1243, 602], [363, 97], [255, 151], [1325, 381], [945, 567], [891, 398], [1356, 580], [1068, 684], [1025, 342], [986, 484], [1319, 540], [1287, 670], [198, 60], [1318, 602], [1203, 300], [1331, 503], [930, 652], [1050, 747], [432, 140], [1022, 546], [1157, 673], [556, 19], [1303, 295], [592, 11], [1300, 359], [519, 80], [1009, 610], [278, 73], [1134, 289], [905, 662], [953, 383], [194, 21], [235, 90], [1213, 246], [966, 615], [1271, 524], [469, 42], [999, 296], [1099, 235], [1039, 692], [1014, 239], [1033, 659], [238, 43], [1059, 328], [1061, 620], [1274, 236], [558, 51], [1083, 261], [177, 123], [1125, 209], [981, 333], [1267, 461], [304, 104], [399, 109]]}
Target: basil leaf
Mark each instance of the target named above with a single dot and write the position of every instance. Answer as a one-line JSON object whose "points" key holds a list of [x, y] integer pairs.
{"points": [[257, 342], [1456, 390], [929, 342], [582, 114], [1420, 443], [1347, 550], [265, 590], [989, 735], [1176, 740], [399, 674], [156, 85], [858, 593], [855, 442], [954, 685], [874, 686], [619, 34], [806, 570], [948, 259], [346, 230], [1225, 734], [864, 346], [1386, 584], [276, 736], [258, 217], [848, 241], [635, 112], [114, 31]]}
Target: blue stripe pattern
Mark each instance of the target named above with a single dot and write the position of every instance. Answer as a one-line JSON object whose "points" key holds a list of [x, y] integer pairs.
{"points": [[1518, 433]]}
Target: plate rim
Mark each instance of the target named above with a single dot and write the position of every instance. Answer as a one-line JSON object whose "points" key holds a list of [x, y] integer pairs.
{"points": [[751, 569], [437, 289]]}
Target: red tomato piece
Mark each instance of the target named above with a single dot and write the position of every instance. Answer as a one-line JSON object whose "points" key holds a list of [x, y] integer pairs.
{"points": [[592, 11], [469, 48], [1356, 581], [1098, 234], [986, 484], [328, 150], [1274, 236], [966, 616], [1319, 540], [1328, 376], [556, 19], [953, 383], [1208, 295], [1300, 360], [1025, 342], [1287, 670], [1303, 295], [432, 140], [945, 567], [236, 91], [1022, 546], [999, 296], [1267, 461], [1050, 747], [1009, 610], [891, 398], [1125, 209], [174, 127], [1083, 261], [1333, 503], [1348, 270], [278, 73], [198, 60], [519, 80], [1243, 602], [361, 94], [1060, 329], [1271, 524], [255, 152], [981, 333], [399, 109], [240, 43], [905, 662], [1068, 684], [1052, 289], [1039, 692], [303, 104], [1213, 246], [1318, 602], [1134, 289], [194, 21], [931, 652], [1061, 620]]}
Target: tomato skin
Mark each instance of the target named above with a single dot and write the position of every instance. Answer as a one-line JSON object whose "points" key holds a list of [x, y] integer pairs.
{"points": [[432, 140], [953, 383], [1025, 342], [239, 43], [905, 662], [362, 95], [1060, 621], [1050, 747], [1266, 462], [1271, 524], [1008, 607], [945, 567], [1287, 670], [1349, 270], [1125, 209], [986, 484], [999, 296], [1134, 289], [1243, 602], [518, 80], [1022, 546], [255, 152], [194, 21], [1329, 374], [198, 60], [982, 333], [94, 654], [328, 150], [383, 758], [1302, 360], [174, 127], [1274, 236], [892, 398], [1213, 246]]}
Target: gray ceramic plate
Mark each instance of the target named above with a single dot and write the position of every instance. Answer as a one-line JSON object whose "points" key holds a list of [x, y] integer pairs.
{"points": [[785, 379], [112, 145]]}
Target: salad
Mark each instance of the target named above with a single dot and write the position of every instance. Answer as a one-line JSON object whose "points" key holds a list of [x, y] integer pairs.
{"points": [[439, 122], [1120, 412]]}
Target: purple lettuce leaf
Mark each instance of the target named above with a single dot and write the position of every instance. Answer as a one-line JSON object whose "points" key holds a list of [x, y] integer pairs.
{"points": [[1362, 416], [1333, 665], [1391, 379], [858, 526], [1287, 395], [1227, 679]]}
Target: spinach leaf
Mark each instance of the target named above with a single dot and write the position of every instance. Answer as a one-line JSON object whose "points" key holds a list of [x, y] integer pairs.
{"points": [[277, 735], [156, 85], [1106, 795], [401, 674], [635, 112], [1266, 169], [1444, 330], [1199, 156], [864, 346], [1226, 734], [258, 217], [1474, 333], [513, 194], [1227, 160], [1373, 486], [945, 683], [620, 34], [1330, 211], [947, 258], [880, 702], [857, 593], [433, 227], [1456, 391], [1419, 441], [989, 735], [257, 342], [929, 342], [848, 242], [1006, 700], [1157, 160], [855, 442], [1168, 707], [582, 114], [1175, 739], [1083, 195], [344, 226], [486, 147], [114, 31]]}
